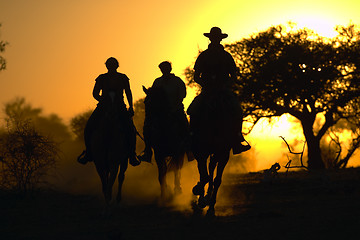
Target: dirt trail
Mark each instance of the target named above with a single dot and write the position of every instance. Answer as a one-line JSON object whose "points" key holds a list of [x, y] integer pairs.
{"points": [[296, 206]]}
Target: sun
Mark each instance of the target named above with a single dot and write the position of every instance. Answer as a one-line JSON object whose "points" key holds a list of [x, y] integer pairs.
{"points": [[322, 25]]}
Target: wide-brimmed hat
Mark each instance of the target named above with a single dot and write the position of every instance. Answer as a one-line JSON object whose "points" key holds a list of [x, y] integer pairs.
{"points": [[215, 32]]}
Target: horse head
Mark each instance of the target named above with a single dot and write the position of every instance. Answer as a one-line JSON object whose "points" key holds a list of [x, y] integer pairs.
{"points": [[156, 103], [145, 89]]}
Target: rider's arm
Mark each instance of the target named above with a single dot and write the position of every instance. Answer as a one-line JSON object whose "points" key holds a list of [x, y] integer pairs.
{"points": [[96, 91], [182, 90], [198, 68], [129, 97], [233, 70]]}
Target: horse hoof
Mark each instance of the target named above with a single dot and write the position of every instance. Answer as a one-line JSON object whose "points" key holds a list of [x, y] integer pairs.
{"points": [[198, 190], [207, 199], [210, 212], [202, 202]]}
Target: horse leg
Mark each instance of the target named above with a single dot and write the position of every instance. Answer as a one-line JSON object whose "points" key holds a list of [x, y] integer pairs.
{"points": [[177, 174], [103, 174], [105, 183], [198, 189], [121, 178], [111, 179], [161, 164], [222, 160], [177, 189], [212, 166]]}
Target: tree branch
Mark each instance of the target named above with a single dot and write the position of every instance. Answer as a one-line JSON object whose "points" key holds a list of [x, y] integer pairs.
{"points": [[287, 166]]}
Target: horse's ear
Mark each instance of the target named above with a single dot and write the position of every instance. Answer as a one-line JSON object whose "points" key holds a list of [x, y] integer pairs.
{"points": [[145, 89]]}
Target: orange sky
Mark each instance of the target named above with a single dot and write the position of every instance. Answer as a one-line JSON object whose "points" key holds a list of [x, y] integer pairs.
{"points": [[58, 48]]}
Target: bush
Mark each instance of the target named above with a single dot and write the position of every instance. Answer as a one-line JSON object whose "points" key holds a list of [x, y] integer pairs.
{"points": [[26, 156]]}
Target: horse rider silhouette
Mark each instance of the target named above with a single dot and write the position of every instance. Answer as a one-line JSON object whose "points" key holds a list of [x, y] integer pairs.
{"points": [[112, 85], [215, 72], [175, 91]]}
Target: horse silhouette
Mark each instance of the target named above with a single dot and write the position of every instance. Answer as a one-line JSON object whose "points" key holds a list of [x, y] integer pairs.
{"points": [[212, 130], [166, 138], [109, 146]]}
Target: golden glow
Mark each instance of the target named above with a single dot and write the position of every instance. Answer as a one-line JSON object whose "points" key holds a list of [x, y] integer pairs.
{"points": [[265, 138], [57, 50], [324, 26]]}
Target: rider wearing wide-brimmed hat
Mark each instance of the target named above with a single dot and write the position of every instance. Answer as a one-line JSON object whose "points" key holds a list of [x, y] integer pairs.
{"points": [[215, 71]]}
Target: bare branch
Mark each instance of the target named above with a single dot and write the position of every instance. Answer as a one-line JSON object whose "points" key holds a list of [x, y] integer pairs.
{"points": [[287, 166]]}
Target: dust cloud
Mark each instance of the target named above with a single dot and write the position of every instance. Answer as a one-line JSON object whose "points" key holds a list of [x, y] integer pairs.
{"points": [[141, 185]]}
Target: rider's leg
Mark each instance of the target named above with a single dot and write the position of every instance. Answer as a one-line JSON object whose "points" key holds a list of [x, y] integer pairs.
{"points": [[238, 146], [186, 134], [89, 128]]}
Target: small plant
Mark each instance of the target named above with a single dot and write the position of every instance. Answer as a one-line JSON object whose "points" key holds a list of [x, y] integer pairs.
{"points": [[26, 156]]}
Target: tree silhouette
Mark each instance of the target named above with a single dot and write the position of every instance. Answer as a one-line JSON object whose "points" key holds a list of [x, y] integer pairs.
{"points": [[27, 155], [51, 125], [2, 59], [139, 114], [295, 71], [78, 123]]}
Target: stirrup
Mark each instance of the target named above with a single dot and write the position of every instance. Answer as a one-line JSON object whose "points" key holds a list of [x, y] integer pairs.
{"points": [[82, 158], [134, 161], [145, 157]]}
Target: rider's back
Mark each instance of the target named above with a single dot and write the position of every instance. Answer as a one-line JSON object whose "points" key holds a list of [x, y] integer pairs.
{"points": [[112, 83]]}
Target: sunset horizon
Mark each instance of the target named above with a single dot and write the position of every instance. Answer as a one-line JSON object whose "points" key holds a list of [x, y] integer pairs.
{"points": [[56, 50]]}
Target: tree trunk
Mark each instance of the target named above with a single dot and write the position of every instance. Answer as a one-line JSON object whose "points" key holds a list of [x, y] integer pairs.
{"points": [[315, 161]]}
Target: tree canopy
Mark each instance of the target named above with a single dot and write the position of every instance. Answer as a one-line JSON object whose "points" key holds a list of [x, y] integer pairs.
{"points": [[27, 154], [2, 49], [296, 71]]}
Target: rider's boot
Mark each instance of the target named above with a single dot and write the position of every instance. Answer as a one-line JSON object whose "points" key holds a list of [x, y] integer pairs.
{"points": [[85, 156]]}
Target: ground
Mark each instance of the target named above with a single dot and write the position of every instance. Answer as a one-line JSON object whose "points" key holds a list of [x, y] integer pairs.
{"points": [[297, 205]]}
